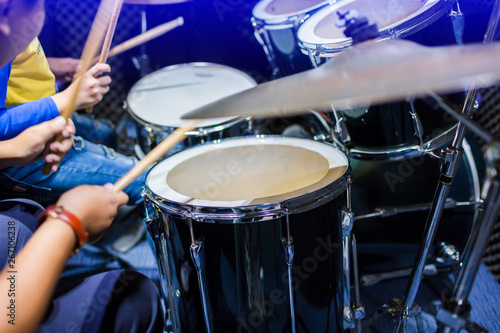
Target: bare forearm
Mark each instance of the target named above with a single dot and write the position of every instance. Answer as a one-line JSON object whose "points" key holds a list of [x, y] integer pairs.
{"points": [[37, 269], [61, 101], [8, 153]]}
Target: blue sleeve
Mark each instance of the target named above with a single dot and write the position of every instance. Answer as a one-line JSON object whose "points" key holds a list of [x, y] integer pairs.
{"points": [[17, 118]]}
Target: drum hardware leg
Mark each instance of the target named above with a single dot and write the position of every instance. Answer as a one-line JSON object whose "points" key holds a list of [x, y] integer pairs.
{"points": [[289, 254], [454, 312], [141, 63], [457, 22], [417, 124], [359, 310], [351, 315], [313, 59], [453, 156], [347, 219], [198, 256], [167, 288], [263, 39]]}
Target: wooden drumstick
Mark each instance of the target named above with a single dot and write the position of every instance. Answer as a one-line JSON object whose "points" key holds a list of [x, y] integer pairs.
{"points": [[154, 155], [145, 37], [109, 37], [96, 35]]}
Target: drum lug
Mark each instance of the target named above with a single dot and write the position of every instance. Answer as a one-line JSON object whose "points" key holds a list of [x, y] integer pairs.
{"points": [[151, 137], [198, 256], [288, 248], [149, 210], [340, 127], [347, 218], [417, 125]]}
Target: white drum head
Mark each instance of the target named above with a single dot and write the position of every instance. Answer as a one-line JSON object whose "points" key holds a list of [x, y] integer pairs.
{"points": [[321, 28], [246, 171], [164, 96], [269, 10]]}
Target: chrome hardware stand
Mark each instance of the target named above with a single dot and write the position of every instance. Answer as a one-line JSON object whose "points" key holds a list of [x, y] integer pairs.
{"points": [[452, 156], [351, 316], [289, 254], [454, 313], [198, 256]]}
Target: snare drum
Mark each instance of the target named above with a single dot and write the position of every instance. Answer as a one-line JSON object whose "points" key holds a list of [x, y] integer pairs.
{"points": [[158, 101], [276, 23], [392, 131], [248, 235]]}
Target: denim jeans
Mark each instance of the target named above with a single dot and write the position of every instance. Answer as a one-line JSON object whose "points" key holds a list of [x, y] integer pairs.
{"points": [[85, 163], [95, 130]]}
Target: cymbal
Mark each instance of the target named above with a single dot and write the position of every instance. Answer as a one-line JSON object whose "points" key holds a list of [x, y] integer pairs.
{"points": [[368, 73], [153, 2]]}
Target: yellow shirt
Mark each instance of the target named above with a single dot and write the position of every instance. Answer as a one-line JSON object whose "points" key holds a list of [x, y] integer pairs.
{"points": [[30, 77]]}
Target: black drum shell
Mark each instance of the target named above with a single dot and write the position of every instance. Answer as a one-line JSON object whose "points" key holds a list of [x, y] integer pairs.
{"points": [[247, 273], [244, 258]]}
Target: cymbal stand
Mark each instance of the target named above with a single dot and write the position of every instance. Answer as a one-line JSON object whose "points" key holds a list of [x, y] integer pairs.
{"points": [[452, 157], [454, 312]]}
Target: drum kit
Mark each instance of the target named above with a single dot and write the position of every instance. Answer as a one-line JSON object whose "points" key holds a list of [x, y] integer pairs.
{"points": [[254, 232]]}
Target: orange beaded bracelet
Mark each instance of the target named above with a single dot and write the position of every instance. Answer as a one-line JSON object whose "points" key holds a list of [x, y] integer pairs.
{"points": [[58, 212]]}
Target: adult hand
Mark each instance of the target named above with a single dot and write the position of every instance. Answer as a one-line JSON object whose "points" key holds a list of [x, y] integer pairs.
{"points": [[95, 206], [63, 68], [37, 141]]}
